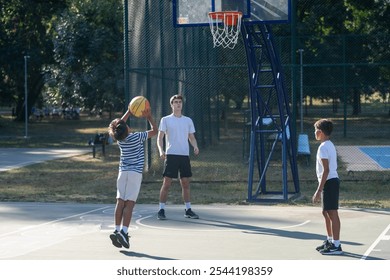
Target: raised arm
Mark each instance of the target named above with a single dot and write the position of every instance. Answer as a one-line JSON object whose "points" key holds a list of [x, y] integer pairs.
{"points": [[153, 127], [126, 115]]}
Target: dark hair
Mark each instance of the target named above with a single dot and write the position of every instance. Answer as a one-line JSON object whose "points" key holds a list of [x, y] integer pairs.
{"points": [[176, 96], [325, 125], [118, 129]]}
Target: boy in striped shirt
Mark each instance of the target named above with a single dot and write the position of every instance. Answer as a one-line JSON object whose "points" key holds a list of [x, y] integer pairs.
{"points": [[131, 164]]}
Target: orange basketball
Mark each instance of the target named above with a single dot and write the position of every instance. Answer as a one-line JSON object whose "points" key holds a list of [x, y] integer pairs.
{"points": [[137, 105]]}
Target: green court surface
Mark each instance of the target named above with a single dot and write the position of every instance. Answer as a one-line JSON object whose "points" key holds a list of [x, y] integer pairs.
{"points": [[67, 231]]}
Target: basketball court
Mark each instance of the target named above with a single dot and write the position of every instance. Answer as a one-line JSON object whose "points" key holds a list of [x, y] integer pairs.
{"points": [[245, 233], [47, 231], [365, 158], [67, 231]]}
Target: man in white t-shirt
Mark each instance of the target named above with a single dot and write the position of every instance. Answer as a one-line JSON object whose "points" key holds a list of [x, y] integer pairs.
{"points": [[178, 130], [328, 187]]}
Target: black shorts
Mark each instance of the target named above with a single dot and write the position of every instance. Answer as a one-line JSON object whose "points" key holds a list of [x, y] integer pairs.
{"points": [[174, 164], [330, 194]]}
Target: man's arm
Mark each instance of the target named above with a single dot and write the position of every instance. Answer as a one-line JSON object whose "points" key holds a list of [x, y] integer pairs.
{"points": [[160, 144], [194, 143]]}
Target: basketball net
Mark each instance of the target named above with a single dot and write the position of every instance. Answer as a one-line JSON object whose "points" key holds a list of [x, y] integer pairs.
{"points": [[225, 27]]}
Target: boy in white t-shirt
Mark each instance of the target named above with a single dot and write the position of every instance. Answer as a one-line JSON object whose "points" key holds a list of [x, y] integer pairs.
{"points": [[328, 187], [179, 132]]}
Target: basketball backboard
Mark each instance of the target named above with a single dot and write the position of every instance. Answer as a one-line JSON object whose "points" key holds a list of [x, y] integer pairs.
{"points": [[195, 12]]}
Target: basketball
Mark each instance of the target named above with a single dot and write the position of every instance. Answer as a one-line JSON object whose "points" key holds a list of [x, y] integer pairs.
{"points": [[137, 105]]}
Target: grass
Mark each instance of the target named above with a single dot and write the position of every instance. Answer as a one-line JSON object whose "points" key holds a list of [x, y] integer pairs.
{"points": [[220, 173]]}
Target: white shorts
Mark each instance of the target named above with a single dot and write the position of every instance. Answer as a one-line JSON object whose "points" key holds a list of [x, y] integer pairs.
{"points": [[128, 185]]}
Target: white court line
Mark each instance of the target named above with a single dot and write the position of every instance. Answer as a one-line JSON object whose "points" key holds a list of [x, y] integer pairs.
{"points": [[139, 222], [382, 236], [51, 222], [35, 237], [298, 225]]}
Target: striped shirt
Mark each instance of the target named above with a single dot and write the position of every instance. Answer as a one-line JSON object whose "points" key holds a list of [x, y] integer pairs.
{"points": [[132, 156]]}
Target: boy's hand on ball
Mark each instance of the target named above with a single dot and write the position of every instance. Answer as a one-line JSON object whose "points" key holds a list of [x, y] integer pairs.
{"points": [[147, 112]]}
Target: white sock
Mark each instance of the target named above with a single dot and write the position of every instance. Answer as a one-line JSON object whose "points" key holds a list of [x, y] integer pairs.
{"points": [[188, 205], [118, 228], [336, 243], [125, 229], [162, 205], [330, 238]]}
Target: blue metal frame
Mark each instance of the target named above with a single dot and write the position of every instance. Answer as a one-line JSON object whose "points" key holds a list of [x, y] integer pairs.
{"points": [[263, 60]]}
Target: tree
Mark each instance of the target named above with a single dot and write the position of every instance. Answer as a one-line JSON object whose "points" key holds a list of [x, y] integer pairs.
{"points": [[347, 33], [25, 28], [88, 54]]}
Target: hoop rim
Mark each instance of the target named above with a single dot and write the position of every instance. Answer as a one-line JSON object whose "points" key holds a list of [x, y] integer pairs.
{"points": [[235, 16]]}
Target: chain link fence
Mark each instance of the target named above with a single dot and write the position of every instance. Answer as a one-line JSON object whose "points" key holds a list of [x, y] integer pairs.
{"points": [[337, 82]]}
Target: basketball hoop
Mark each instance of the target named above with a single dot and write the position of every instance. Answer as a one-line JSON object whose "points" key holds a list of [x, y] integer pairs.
{"points": [[225, 27]]}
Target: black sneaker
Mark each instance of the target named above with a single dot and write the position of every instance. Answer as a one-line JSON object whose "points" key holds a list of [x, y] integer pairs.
{"points": [[190, 214], [332, 250], [123, 238], [114, 239], [161, 215], [324, 245]]}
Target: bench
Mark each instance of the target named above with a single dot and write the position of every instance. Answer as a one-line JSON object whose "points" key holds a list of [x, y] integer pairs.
{"points": [[304, 147], [100, 139]]}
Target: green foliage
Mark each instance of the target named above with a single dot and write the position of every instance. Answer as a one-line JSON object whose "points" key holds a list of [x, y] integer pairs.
{"points": [[76, 50], [349, 39], [88, 54], [25, 31]]}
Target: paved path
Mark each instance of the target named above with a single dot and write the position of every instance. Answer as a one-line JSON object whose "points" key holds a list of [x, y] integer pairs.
{"points": [[11, 158]]}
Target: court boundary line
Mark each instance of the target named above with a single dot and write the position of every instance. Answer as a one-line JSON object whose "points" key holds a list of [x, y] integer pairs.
{"points": [[376, 242], [139, 222], [51, 222]]}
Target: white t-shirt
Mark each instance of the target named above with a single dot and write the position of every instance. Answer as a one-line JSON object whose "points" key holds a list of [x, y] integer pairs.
{"points": [[177, 130], [327, 150]]}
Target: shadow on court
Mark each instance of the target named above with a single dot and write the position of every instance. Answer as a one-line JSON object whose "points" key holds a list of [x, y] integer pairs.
{"points": [[67, 231], [142, 256]]}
